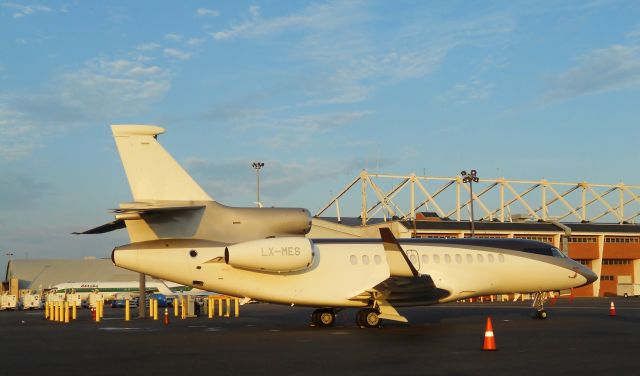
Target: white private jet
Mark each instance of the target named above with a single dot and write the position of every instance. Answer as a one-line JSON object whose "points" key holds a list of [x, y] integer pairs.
{"points": [[180, 234]]}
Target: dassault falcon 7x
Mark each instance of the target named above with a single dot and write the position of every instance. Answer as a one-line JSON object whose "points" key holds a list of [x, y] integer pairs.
{"points": [[181, 234]]}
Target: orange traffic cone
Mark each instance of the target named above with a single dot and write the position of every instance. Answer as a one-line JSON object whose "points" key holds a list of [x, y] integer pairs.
{"points": [[166, 317], [489, 340], [612, 310]]}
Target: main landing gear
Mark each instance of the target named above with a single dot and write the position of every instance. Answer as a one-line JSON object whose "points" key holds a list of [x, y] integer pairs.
{"points": [[323, 317], [368, 318], [365, 318], [538, 303]]}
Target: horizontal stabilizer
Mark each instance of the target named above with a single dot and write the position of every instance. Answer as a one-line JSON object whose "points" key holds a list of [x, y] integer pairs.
{"points": [[147, 208], [107, 227]]}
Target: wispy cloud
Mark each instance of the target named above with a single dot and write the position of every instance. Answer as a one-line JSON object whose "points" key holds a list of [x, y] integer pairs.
{"points": [[174, 53], [614, 68], [230, 180], [19, 191], [147, 47], [466, 92], [173, 37], [101, 88], [204, 12], [25, 10]]}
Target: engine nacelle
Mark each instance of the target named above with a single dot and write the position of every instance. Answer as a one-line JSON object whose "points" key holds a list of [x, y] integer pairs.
{"points": [[278, 255]]}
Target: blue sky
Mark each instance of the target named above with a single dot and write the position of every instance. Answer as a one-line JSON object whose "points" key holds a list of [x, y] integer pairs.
{"points": [[316, 90]]}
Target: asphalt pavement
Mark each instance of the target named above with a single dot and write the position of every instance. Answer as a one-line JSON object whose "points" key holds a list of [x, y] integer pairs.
{"points": [[578, 338]]}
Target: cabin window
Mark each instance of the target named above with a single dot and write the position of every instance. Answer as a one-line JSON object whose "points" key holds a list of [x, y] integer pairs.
{"points": [[425, 259], [447, 259], [353, 259], [436, 259], [469, 259], [501, 257], [377, 259], [413, 258], [458, 259], [490, 258], [365, 260], [480, 259]]}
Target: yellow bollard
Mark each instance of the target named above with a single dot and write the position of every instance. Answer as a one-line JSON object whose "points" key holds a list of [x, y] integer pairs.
{"points": [[228, 307], [66, 312], [155, 309], [183, 303], [74, 310], [55, 312], [127, 312], [46, 311], [98, 313], [150, 308], [176, 303], [237, 307], [211, 306], [219, 307]]}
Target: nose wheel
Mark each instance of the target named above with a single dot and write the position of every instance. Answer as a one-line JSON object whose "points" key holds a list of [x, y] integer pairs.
{"points": [[323, 317], [538, 302], [368, 318]]}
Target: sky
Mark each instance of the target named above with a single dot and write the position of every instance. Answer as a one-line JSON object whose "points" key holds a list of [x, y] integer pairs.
{"points": [[317, 90]]}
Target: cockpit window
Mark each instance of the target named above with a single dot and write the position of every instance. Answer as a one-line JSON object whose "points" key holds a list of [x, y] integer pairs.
{"points": [[545, 251], [557, 253]]}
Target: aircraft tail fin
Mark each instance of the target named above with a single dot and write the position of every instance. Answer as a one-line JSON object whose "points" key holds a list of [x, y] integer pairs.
{"points": [[152, 172]]}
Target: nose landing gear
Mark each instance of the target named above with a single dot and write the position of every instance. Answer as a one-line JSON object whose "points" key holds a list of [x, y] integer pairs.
{"points": [[538, 303]]}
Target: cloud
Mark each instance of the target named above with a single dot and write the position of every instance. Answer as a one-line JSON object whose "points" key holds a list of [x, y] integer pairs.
{"points": [[203, 12], [26, 10], [173, 37], [176, 54], [601, 70], [19, 191], [195, 41], [472, 91], [95, 92], [147, 47], [229, 180]]}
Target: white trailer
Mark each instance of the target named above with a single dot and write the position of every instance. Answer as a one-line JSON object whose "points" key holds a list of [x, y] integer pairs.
{"points": [[8, 302], [628, 289], [30, 301]]}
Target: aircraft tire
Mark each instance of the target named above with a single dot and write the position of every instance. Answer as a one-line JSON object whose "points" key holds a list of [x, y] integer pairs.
{"points": [[541, 315], [368, 318], [323, 317]]}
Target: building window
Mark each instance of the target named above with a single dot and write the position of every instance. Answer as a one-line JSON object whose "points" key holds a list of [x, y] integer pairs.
{"points": [[539, 238], [616, 262], [583, 262], [621, 239], [607, 278], [581, 239], [499, 236]]}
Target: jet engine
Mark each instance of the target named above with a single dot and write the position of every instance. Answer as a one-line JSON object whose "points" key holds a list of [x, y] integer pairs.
{"points": [[278, 255]]}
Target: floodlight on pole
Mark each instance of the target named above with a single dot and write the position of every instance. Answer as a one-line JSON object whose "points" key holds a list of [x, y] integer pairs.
{"points": [[470, 178], [257, 166]]}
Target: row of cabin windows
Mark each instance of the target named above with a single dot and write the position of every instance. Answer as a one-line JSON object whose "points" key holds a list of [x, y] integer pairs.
{"points": [[459, 259], [436, 259]]}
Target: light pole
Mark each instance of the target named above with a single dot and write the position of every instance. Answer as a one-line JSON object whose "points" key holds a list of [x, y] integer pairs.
{"points": [[257, 166], [470, 178]]}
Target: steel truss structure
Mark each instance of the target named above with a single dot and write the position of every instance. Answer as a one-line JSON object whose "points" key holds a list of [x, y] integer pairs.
{"points": [[498, 199]]}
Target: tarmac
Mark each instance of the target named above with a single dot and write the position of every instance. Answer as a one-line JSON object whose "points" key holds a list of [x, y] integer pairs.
{"points": [[578, 338]]}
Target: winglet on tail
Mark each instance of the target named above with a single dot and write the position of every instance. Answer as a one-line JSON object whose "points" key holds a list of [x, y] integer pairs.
{"points": [[152, 172]]}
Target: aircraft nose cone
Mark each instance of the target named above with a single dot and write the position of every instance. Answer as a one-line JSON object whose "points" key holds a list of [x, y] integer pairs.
{"points": [[588, 275]]}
